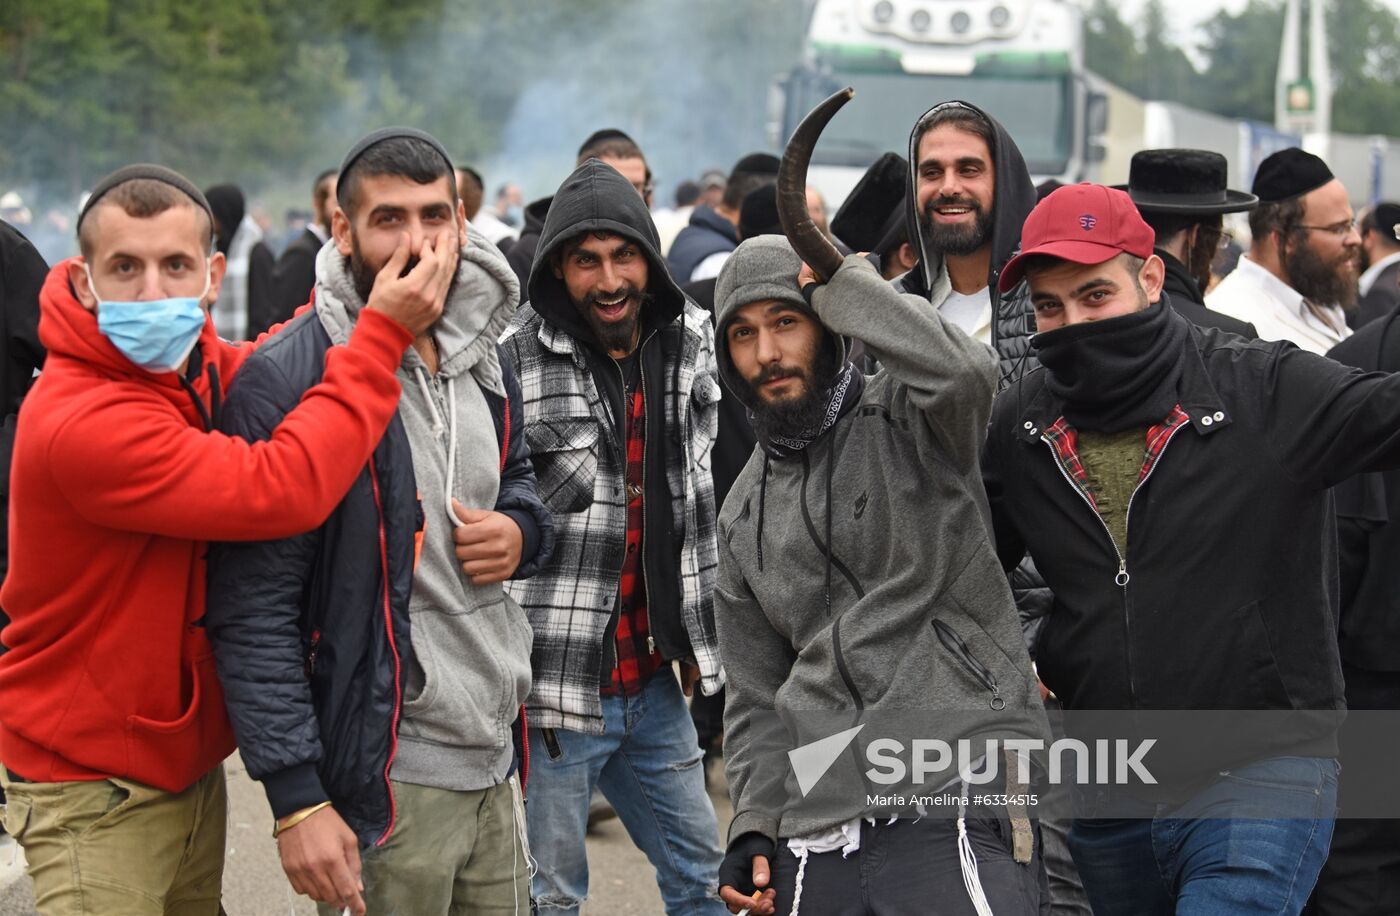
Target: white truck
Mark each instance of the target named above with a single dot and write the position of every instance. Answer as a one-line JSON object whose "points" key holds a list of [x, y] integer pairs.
{"points": [[1020, 60]]}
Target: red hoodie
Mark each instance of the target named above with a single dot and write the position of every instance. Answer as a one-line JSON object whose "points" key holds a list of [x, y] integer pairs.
{"points": [[116, 487]]}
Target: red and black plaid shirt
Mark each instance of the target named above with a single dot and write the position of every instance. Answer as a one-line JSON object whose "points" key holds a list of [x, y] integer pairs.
{"points": [[1065, 439], [636, 663]]}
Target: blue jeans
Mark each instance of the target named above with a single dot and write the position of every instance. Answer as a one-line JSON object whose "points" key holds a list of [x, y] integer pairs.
{"points": [[647, 763], [1195, 859]]}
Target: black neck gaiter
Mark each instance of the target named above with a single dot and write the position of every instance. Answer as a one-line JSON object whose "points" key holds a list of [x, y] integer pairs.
{"points": [[1118, 373]]}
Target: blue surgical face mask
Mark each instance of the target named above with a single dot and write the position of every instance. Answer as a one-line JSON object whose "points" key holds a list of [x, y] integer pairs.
{"points": [[157, 334]]}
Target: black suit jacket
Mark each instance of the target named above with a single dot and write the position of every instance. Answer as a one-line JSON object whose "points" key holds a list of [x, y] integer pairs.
{"points": [[1380, 300], [1185, 296], [1368, 525]]}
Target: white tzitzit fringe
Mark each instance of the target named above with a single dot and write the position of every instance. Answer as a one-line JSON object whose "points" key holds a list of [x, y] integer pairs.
{"points": [[968, 860], [801, 873], [517, 816]]}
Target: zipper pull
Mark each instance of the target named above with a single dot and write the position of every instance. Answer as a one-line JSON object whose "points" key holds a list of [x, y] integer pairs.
{"points": [[1121, 580], [651, 645]]}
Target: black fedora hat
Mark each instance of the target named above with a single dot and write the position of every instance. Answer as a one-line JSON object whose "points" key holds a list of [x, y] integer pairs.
{"points": [[1186, 181]]}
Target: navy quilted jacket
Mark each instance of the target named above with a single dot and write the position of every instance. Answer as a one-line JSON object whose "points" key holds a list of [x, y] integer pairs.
{"points": [[316, 704]]}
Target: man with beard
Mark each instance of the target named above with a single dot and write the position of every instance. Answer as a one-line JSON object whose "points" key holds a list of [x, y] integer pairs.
{"points": [[621, 404], [1181, 194], [610, 146], [1380, 256], [1103, 465], [1299, 278], [364, 735], [903, 525], [295, 274], [971, 193]]}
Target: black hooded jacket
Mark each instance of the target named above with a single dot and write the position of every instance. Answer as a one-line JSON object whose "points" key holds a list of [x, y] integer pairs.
{"points": [[596, 198], [1013, 319], [1221, 616], [521, 254]]}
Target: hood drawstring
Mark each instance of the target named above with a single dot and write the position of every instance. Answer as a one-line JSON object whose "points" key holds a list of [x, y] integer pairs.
{"points": [[209, 420], [801, 874], [439, 428], [215, 399], [676, 386], [762, 502], [827, 592]]}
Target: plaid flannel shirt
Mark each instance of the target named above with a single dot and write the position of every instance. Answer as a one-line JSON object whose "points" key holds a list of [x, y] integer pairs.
{"points": [[1065, 439], [581, 474], [636, 663]]}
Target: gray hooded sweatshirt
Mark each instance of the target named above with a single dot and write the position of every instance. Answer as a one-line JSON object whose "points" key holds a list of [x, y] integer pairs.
{"points": [[887, 506], [470, 667]]}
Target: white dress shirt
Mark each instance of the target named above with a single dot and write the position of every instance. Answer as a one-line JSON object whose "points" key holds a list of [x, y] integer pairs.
{"points": [[1277, 311]]}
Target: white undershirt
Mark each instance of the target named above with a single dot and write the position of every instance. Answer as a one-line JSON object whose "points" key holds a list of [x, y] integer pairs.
{"points": [[972, 314]]}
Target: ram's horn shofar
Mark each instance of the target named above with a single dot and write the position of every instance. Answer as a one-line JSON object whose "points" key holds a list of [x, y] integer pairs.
{"points": [[807, 240]]}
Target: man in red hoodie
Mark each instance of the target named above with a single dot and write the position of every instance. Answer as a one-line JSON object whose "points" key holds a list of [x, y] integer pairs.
{"points": [[112, 722]]}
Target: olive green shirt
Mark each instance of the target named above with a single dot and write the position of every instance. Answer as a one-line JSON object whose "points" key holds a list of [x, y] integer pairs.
{"points": [[1112, 462]]}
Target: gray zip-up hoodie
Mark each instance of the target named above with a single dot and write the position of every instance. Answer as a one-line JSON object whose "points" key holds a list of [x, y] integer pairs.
{"points": [[470, 666], [919, 615]]}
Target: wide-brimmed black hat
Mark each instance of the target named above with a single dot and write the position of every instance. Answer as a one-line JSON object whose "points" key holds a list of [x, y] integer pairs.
{"points": [[1186, 181]]}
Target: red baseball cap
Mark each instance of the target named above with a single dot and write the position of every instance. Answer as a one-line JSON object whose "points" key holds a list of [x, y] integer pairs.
{"points": [[1084, 223]]}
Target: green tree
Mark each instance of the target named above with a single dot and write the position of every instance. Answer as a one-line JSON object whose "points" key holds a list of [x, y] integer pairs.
{"points": [[1165, 72], [1243, 50], [267, 92], [1364, 50], [1110, 48], [1364, 45]]}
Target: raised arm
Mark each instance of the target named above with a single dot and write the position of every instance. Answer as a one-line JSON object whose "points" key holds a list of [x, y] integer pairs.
{"points": [[156, 473], [949, 377]]}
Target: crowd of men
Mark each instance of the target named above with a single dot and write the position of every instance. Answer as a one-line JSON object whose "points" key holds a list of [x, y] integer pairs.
{"points": [[446, 528]]}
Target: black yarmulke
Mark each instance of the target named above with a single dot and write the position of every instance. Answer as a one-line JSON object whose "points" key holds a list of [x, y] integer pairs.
{"points": [[153, 173], [1289, 173], [756, 164], [865, 216], [392, 133], [1386, 218], [603, 136]]}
